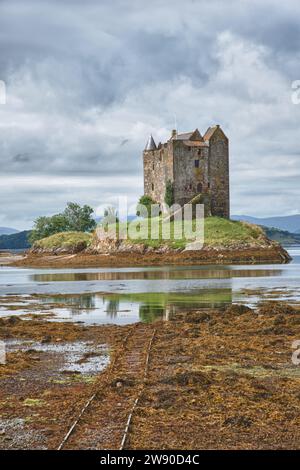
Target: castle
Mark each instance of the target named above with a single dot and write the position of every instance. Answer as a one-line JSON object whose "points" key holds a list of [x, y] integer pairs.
{"points": [[193, 165]]}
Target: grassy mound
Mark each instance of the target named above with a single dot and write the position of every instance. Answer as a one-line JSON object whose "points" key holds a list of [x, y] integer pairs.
{"points": [[65, 240], [218, 232]]}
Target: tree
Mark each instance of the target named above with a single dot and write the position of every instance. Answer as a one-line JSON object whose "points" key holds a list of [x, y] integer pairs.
{"points": [[169, 193], [79, 219], [74, 219], [147, 202], [46, 226]]}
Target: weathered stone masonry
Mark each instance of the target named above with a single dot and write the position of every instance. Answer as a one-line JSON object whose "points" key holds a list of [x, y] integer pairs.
{"points": [[194, 164]]}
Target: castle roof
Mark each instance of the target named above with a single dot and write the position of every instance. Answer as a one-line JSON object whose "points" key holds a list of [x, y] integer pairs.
{"points": [[195, 143], [193, 136], [151, 145], [184, 136], [210, 132]]}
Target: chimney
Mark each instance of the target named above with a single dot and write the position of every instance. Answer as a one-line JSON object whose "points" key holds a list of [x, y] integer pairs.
{"points": [[174, 134]]}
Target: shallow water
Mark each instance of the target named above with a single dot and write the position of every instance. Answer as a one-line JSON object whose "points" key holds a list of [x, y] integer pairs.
{"points": [[127, 295], [80, 357]]}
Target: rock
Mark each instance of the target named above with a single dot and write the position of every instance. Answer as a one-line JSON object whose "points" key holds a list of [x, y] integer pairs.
{"points": [[46, 339], [279, 320], [13, 320], [198, 317], [241, 421], [188, 378], [238, 310]]}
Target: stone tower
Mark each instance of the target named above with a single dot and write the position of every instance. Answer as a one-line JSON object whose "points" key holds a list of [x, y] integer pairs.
{"points": [[195, 165]]}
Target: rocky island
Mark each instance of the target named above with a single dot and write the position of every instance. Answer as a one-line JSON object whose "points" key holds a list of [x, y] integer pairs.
{"points": [[225, 242]]}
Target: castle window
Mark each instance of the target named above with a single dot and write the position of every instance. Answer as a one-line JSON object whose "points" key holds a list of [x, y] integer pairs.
{"points": [[152, 186], [152, 166], [199, 188], [196, 163]]}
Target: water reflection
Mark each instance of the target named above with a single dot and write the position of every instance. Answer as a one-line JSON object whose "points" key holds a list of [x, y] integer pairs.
{"points": [[130, 308], [128, 295], [225, 272]]}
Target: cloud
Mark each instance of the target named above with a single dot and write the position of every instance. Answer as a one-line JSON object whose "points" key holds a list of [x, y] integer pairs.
{"points": [[86, 84]]}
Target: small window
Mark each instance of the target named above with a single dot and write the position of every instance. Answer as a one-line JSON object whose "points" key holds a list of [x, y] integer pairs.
{"points": [[152, 186], [152, 166], [196, 163], [199, 153], [199, 188]]}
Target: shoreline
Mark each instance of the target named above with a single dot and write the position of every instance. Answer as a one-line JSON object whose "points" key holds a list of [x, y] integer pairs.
{"points": [[272, 254]]}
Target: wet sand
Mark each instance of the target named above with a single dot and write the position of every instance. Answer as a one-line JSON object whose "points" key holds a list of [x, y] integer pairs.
{"points": [[10, 258]]}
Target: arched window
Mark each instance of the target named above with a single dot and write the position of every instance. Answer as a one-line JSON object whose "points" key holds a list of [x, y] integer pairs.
{"points": [[199, 188]]}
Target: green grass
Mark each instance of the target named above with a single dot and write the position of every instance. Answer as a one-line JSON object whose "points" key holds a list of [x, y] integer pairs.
{"points": [[217, 232], [64, 240], [226, 232]]}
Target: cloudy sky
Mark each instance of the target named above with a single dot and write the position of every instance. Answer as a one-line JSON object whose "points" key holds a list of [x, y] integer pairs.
{"points": [[86, 82]]}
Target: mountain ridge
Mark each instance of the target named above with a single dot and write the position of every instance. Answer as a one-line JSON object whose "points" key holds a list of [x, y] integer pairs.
{"points": [[289, 223], [8, 231], [15, 241]]}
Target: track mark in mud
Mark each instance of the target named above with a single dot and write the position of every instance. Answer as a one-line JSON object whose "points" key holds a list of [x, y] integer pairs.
{"points": [[104, 420]]}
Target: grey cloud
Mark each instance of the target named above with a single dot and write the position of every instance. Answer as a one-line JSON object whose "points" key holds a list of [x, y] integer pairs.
{"points": [[88, 81]]}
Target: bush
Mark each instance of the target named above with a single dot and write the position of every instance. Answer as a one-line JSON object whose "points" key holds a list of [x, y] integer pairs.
{"points": [[147, 202], [74, 219], [169, 194]]}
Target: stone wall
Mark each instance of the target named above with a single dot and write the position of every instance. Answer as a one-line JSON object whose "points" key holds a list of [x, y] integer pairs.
{"points": [[175, 161], [190, 179], [158, 169], [218, 171]]}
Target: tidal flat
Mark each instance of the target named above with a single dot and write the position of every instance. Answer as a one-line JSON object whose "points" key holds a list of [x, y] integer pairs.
{"points": [[217, 379], [209, 351]]}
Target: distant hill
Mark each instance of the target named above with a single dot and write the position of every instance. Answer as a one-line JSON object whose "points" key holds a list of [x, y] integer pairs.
{"points": [[7, 230], [15, 241], [290, 223], [282, 236]]}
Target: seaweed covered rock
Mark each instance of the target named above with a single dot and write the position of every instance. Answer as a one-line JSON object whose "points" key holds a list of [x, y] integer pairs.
{"points": [[238, 310], [276, 308]]}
